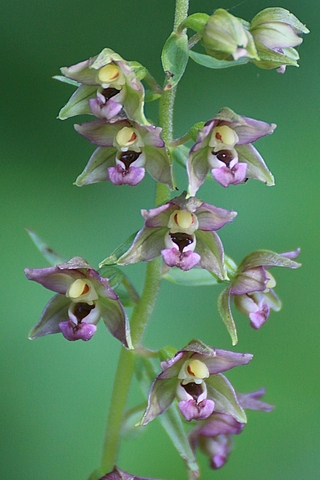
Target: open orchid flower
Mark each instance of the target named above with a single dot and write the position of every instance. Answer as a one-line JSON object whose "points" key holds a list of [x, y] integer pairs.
{"points": [[224, 147], [108, 85], [214, 435], [83, 297], [193, 376], [182, 231], [126, 150]]}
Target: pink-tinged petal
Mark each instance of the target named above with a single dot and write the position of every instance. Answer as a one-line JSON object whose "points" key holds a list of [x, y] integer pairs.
{"points": [[220, 423], [230, 176], [158, 164], [213, 218], [53, 278], [256, 167], [151, 135], [116, 321], [118, 474], [131, 176], [100, 132], [191, 410], [248, 281], [158, 217], [82, 331], [183, 260], [55, 312], [292, 254], [257, 319], [252, 401], [224, 360], [252, 130], [107, 110], [81, 72]]}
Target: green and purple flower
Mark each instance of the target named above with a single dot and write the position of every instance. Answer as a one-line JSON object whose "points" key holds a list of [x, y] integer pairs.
{"points": [[252, 287], [214, 435], [83, 297], [275, 32], [182, 231], [193, 376], [108, 87], [126, 150], [118, 474], [224, 147]]}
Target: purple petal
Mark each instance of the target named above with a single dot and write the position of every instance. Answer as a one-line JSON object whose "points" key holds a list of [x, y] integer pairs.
{"points": [[131, 176], [230, 176], [82, 331], [183, 260], [53, 278], [251, 280], [115, 319], [106, 110], [158, 217], [224, 360], [213, 218], [196, 411]]}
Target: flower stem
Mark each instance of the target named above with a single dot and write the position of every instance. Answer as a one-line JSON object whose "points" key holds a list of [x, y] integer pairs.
{"points": [[142, 311]]}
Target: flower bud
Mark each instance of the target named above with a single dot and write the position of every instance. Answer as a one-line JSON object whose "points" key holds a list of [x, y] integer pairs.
{"points": [[224, 36], [275, 32]]}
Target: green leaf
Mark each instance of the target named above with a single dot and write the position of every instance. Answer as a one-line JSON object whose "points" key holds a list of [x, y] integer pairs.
{"points": [[63, 79], [118, 252], [170, 420], [226, 315], [196, 277], [175, 56], [211, 62], [50, 255]]}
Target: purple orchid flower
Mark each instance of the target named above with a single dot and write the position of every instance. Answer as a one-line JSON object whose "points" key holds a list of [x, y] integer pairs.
{"points": [[126, 150], [252, 286], [275, 32], [214, 435], [83, 297], [108, 84], [193, 376], [224, 147], [183, 232]]}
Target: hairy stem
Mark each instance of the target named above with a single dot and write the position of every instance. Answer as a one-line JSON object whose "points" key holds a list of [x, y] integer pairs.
{"points": [[145, 306]]}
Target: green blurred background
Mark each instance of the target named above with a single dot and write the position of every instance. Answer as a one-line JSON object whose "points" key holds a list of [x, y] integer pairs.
{"points": [[55, 393]]}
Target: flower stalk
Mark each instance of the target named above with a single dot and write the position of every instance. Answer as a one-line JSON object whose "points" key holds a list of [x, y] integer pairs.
{"points": [[144, 308]]}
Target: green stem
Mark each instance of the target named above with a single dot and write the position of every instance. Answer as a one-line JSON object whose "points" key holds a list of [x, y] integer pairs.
{"points": [[142, 311]]}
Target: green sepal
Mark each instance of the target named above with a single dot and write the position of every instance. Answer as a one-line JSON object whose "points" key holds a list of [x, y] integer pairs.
{"points": [[174, 57], [278, 14], [224, 310], [267, 259], [63, 79], [194, 130], [50, 255], [211, 62], [139, 70], [170, 420], [167, 352], [118, 252], [113, 274], [225, 397], [196, 22]]}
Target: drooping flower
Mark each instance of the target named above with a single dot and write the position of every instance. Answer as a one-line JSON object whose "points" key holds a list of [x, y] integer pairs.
{"points": [[224, 147], [276, 31], [83, 297], [107, 85], [183, 232], [252, 287], [193, 376], [126, 150], [118, 474], [214, 435], [225, 37]]}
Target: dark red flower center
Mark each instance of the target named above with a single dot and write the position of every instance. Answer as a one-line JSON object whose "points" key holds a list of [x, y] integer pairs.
{"points": [[109, 92], [193, 389], [225, 156], [181, 239], [129, 157], [81, 310]]}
